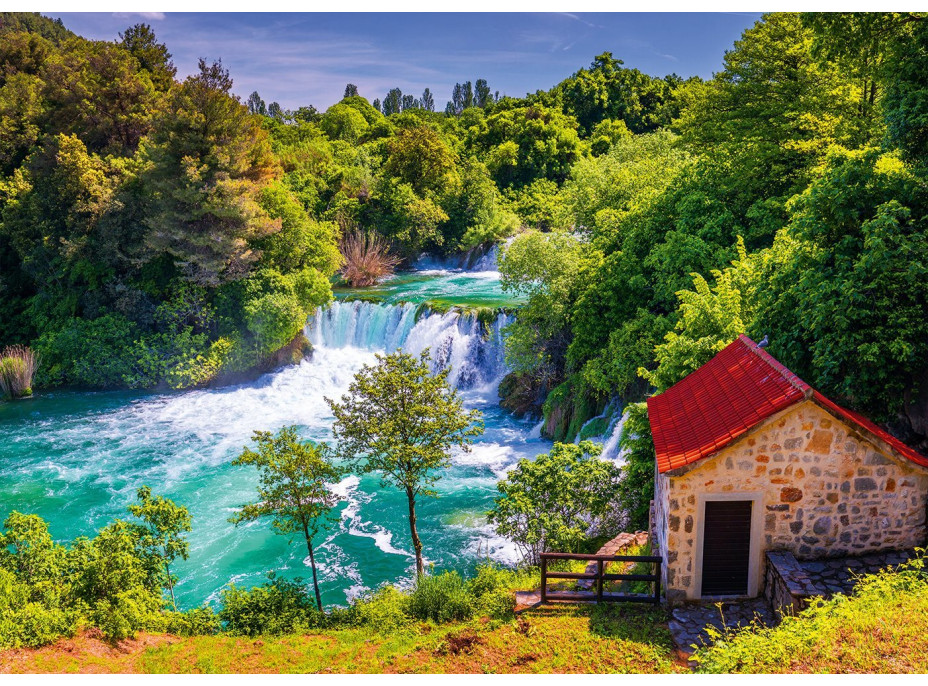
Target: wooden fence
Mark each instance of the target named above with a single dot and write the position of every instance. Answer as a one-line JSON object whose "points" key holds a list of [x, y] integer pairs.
{"points": [[599, 577]]}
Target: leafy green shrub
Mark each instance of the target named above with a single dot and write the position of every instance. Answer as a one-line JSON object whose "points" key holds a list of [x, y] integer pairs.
{"points": [[553, 501], [279, 606], [385, 609], [28, 624], [88, 352], [200, 621], [121, 615], [493, 587], [441, 598]]}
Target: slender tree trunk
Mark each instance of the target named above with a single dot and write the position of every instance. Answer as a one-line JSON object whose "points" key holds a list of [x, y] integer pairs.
{"points": [[312, 563], [416, 543], [167, 569]]}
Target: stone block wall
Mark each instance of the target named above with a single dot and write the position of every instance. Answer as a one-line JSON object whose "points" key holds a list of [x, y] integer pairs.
{"points": [[787, 587], [826, 491]]}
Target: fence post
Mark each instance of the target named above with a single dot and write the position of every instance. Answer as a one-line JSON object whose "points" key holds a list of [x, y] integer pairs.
{"points": [[657, 583], [544, 578], [599, 581]]}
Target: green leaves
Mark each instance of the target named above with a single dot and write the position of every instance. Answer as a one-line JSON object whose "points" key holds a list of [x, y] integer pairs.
{"points": [[294, 487], [402, 421], [551, 502], [294, 482]]}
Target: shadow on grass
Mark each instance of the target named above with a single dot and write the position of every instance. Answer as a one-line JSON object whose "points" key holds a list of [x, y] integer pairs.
{"points": [[630, 622], [621, 621]]}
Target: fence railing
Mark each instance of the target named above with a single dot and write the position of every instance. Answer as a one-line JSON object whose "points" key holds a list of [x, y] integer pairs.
{"points": [[599, 577]]}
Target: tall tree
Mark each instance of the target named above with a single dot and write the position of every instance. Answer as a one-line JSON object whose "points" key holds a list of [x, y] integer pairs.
{"points": [[467, 95], [482, 96], [400, 420], [409, 102], [275, 111], [376, 104], [152, 56], [210, 161], [393, 103], [294, 487], [100, 95], [428, 101], [161, 534], [256, 104], [350, 90], [456, 104]]}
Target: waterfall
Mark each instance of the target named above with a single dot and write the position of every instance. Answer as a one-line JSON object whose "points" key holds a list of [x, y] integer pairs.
{"points": [[479, 259], [458, 341], [611, 448]]}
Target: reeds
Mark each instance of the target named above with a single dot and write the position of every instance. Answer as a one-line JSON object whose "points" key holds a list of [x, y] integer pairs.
{"points": [[367, 258], [17, 369]]}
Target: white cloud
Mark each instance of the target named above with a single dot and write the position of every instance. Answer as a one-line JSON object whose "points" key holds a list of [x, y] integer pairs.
{"points": [[151, 16]]}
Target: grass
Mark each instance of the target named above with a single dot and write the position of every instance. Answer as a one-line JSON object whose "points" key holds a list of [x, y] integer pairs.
{"points": [[551, 639], [879, 629], [367, 258], [18, 364]]}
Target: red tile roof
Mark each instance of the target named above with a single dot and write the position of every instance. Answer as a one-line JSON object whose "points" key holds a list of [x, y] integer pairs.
{"points": [[728, 396]]}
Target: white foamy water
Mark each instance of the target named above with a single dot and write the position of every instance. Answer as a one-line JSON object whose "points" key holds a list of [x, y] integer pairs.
{"points": [[611, 449], [78, 460]]}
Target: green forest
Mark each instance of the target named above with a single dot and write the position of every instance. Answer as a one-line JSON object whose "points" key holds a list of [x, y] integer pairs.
{"points": [[158, 232]]}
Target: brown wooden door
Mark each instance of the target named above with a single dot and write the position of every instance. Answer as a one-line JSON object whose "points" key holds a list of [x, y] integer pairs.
{"points": [[726, 547]]}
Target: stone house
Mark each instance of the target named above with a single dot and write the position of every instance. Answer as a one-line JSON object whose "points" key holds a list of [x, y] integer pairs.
{"points": [[750, 460]]}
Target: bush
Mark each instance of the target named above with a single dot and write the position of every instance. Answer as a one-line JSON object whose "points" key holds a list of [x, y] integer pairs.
{"points": [[27, 624], [385, 609], [441, 598], [200, 621], [277, 607], [17, 368], [493, 587], [367, 258], [555, 500], [88, 352]]}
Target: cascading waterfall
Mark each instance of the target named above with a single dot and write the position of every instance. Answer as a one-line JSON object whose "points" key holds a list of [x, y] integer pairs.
{"points": [[458, 341], [611, 449], [479, 259], [76, 459]]}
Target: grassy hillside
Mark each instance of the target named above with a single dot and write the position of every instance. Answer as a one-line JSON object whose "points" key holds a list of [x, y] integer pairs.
{"points": [[563, 639]]}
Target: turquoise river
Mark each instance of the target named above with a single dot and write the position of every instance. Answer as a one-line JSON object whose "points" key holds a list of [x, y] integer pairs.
{"points": [[77, 458]]}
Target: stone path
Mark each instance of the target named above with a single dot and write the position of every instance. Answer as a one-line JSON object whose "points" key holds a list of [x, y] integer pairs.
{"points": [[688, 623]]}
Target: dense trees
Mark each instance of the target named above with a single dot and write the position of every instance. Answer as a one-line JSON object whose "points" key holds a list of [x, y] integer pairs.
{"points": [[668, 214], [119, 188], [790, 205]]}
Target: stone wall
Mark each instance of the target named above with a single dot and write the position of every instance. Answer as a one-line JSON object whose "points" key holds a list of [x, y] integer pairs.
{"points": [[659, 529], [826, 491], [787, 587]]}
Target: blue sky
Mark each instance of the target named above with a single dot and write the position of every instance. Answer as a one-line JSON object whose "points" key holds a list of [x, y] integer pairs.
{"points": [[301, 59]]}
